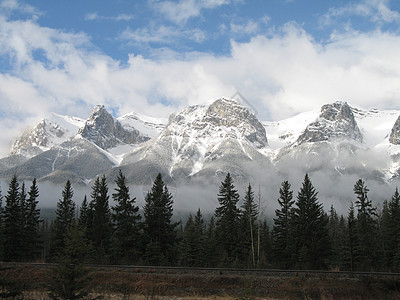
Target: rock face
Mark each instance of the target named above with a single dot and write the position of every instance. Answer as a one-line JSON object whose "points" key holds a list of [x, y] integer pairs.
{"points": [[395, 133], [42, 137], [202, 139], [105, 132], [336, 121]]}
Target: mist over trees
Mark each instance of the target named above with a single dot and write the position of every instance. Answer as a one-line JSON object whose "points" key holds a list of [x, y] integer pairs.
{"points": [[301, 235]]}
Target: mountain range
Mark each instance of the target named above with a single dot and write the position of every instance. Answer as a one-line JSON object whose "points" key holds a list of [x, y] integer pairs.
{"points": [[202, 143]]}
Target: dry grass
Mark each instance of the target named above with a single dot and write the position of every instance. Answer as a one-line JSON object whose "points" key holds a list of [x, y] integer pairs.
{"points": [[124, 285]]}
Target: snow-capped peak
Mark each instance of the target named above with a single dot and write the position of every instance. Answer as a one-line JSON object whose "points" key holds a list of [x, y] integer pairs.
{"points": [[336, 121]]}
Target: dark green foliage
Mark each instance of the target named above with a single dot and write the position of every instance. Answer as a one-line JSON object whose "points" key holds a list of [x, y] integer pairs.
{"points": [[32, 223], [13, 223], [265, 253], [84, 214], [227, 216], [211, 249], [101, 227], [70, 277], [281, 233], [310, 230], [338, 235], [65, 216], [1, 228], [248, 229], [125, 217], [192, 243], [159, 230], [352, 236], [366, 229], [390, 229]]}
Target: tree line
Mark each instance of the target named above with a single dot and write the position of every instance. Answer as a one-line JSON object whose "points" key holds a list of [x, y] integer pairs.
{"points": [[300, 236]]}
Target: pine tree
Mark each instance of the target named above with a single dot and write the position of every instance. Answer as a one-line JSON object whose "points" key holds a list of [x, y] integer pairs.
{"points": [[337, 230], [212, 254], [192, 243], [1, 228], [65, 216], [310, 229], [188, 244], [200, 238], [227, 215], [390, 223], [84, 214], [32, 223], [384, 236], [281, 233], [352, 236], [13, 223], [366, 228], [248, 228], [70, 278], [159, 230], [101, 230], [126, 224], [265, 245]]}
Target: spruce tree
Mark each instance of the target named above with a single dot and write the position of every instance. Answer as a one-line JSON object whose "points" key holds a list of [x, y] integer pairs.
{"points": [[366, 228], [187, 247], [248, 228], [13, 223], [390, 227], [84, 214], [1, 228], [101, 230], [352, 236], [125, 219], [337, 230], [32, 223], [227, 216], [265, 246], [310, 229], [160, 234], [200, 238], [192, 243], [212, 253], [65, 216], [281, 233], [70, 278]]}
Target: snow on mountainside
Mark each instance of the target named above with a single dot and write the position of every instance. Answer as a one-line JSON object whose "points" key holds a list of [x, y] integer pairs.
{"points": [[148, 126], [106, 132], [46, 134], [204, 139], [208, 141]]}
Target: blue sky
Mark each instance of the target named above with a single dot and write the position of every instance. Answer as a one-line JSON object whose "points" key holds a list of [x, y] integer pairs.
{"points": [[156, 57]]}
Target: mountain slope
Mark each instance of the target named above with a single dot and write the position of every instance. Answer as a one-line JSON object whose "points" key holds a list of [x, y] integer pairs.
{"points": [[202, 141]]}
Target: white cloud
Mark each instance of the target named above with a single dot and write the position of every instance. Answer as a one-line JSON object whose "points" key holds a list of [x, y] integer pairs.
{"points": [[377, 11], [283, 74], [162, 34], [180, 12], [15, 5], [249, 28], [93, 16]]}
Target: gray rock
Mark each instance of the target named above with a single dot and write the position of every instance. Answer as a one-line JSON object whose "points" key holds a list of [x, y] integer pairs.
{"points": [[106, 132], [336, 121], [395, 133]]}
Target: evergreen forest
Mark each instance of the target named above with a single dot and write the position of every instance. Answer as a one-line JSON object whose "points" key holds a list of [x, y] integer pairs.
{"points": [[301, 235]]}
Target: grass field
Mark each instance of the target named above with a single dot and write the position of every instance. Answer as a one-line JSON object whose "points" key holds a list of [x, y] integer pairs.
{"points": [[26, 282]]}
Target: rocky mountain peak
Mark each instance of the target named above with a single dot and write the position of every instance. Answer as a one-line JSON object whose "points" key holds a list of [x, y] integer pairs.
{"points": [[224, 118], [39, 138], [103, 130], [395, 133], [335, 121]]}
